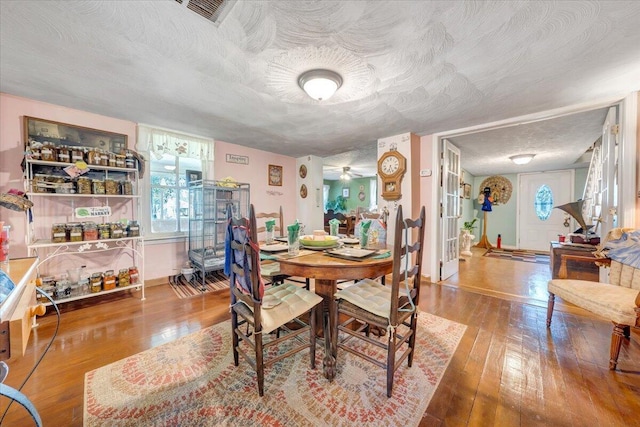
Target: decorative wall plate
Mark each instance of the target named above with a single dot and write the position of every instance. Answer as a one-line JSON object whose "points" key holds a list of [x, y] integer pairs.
{"points": [[501, 189], [303, 171], [303, 191]]}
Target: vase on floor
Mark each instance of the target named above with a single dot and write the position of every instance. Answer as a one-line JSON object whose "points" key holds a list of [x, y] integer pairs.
{"points": [[466, 238]]}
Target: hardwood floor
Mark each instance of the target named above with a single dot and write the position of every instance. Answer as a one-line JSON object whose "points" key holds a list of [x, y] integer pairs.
{"points": [[509, 369]]}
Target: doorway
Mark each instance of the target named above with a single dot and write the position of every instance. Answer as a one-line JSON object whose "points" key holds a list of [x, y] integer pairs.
{"points": [[538, 222]]}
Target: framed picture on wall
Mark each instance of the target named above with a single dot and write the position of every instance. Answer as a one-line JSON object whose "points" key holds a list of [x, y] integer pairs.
{"points": [[275, 175], [346, 192], [466, 191], [193, 176]]}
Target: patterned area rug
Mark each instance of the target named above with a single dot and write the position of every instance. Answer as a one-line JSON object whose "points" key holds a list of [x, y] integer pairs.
{"points": [[192, 382], [518, 255], [214, 281]]}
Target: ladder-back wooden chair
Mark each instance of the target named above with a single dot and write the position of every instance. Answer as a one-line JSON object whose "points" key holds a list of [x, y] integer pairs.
{"points": [[270, 270], [261, 311], [393, 308]]}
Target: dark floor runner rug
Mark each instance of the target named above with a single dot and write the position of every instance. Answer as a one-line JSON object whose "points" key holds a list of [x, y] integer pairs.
{"points": [[518, 255], [215, 281]]}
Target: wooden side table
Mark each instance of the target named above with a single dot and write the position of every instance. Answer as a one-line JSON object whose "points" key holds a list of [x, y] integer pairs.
{"points": [[575, 270]]}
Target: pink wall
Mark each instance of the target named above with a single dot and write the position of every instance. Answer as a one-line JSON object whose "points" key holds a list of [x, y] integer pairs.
{"points": [[12, 110], [265, 198], [161, 259]]}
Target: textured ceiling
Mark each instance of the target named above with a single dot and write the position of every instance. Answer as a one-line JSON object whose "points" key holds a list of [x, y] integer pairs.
{"points": [[410, 66]]}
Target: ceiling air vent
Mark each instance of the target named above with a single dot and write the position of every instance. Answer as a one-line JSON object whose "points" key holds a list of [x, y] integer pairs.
{"points": [[212, 10]]}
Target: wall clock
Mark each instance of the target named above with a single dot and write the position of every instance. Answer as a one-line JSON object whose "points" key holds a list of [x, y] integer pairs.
{"points": [[303, 171], [391, 168]]}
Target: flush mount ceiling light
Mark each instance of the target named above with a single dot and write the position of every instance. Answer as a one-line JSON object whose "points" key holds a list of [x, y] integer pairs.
{"points": [[522, 159], [320, 84]]}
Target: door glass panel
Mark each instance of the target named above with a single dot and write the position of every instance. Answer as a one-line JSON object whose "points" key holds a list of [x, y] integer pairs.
{"points": [[543, 202]]}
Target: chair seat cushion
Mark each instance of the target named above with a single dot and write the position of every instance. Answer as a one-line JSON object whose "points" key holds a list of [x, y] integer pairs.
{"points": [[294, 301], [612, 302], [269, 269], [368, 295]]}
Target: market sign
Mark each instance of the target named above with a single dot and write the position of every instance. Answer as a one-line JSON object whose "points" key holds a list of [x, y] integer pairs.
{"points": [[93, 212]]}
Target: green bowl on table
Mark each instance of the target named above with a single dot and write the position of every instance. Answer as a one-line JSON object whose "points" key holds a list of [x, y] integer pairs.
{"points": [[328, 241]]}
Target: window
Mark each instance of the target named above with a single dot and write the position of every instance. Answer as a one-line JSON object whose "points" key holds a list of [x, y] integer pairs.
{"points": [[173, 161], [543, 202], [170, 193]]}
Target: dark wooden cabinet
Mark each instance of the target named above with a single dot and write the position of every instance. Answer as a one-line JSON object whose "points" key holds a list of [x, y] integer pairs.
{"points": [[575, 269]]}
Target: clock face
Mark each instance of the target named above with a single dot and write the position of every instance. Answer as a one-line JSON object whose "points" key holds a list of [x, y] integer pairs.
{"points": [[390, 165]]}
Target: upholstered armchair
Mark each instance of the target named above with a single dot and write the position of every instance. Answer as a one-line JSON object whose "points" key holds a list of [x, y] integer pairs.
{"points": [[618, 300]]}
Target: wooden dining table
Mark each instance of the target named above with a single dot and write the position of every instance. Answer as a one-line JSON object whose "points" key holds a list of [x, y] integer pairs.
{"points": [[327, 270]]}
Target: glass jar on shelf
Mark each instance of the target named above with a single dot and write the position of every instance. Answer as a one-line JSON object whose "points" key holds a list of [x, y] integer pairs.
{"points": [[34, 151], [130, 161], [109, 280], [126, 187], [133, 229], [120, 160], [134, 275], [111, 159], [111, 186], [104, 158], [123, 277], [64, 154], [58, 233], [104, 231], [38, 183], [74, 232], [48, 152], [116, 230], [89, 231], [95, 282], [93, 156], [97, 186], [77, 154], [84, 185]]}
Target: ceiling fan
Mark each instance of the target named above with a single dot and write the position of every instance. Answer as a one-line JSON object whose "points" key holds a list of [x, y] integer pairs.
{"points": [[347, 174]]}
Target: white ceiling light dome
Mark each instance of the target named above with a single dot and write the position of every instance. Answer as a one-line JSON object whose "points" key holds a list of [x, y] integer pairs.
{"points": [[522, 159], [320, 84]]}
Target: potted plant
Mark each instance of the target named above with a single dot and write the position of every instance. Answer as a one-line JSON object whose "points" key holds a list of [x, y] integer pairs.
{"points": [[466, 237], [469, 225]]}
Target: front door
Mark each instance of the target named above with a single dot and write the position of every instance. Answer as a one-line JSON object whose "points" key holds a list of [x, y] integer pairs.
{"points": [[451, 174], [538, 222]]}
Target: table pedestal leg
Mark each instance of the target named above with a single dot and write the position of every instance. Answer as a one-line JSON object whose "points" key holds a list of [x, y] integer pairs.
{"points": [[326, 289]]}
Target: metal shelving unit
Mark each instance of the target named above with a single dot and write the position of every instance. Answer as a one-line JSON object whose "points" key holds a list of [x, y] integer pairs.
{"points": [[208, 201]]}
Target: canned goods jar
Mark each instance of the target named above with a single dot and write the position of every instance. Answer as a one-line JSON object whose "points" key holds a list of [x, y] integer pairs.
{"points": [[74, 231], [104, 158], [126, 188], [112, 159], [123, 277], [64, 154], [84, 185], [120, 160], [48, 153], [96, 282], [89, 231], [116, 230], [109, 280], [133, 229], [104, 231], [93, 156], [83, 286], [58, 233], [134, 276], [111, 186], [77, 155], [130, 161], [97, 186]]}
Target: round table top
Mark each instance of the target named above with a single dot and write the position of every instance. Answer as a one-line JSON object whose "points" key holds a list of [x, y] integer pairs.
{"points": [[318, 265]]}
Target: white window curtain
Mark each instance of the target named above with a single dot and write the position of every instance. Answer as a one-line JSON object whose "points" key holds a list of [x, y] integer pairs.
{"points": [[157, 142]]}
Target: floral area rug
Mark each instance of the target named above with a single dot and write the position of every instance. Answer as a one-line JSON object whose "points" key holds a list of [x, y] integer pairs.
{"points": [[518, 255], [192, 382]]}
